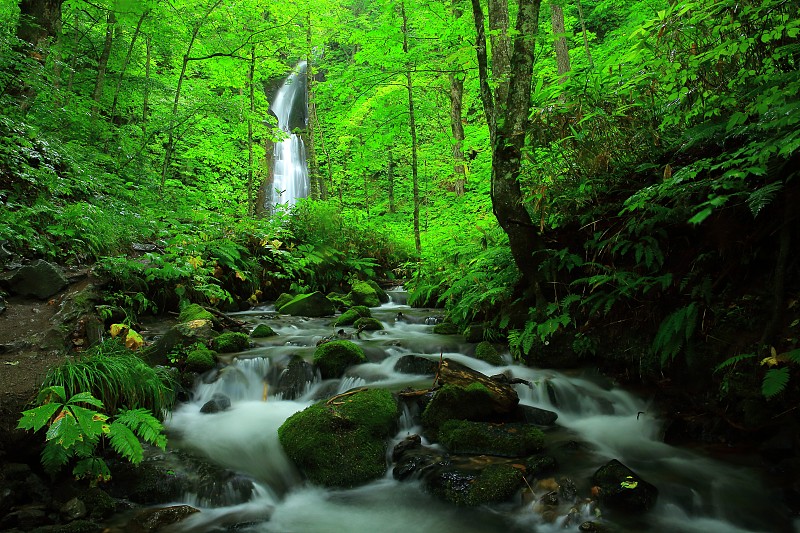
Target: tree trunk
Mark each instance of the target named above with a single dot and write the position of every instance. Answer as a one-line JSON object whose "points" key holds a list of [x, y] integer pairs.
{"points": [[501, 46], [457, 129], [508, 119], [102, 63], [390, 178], [585, 39], [39, 20], [311, 152], [125, 64], [413, 127], [251, 115], [560, 41]]}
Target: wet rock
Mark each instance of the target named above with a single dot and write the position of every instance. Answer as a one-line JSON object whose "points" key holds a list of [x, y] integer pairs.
{"points": [[295, 378], [73, 510], [342, 442], [283, 299], [415, 364], [382, 296], [488, 353], [262, 331], [333, 358], [494, 483], [184, 334], [535, 415], [349, 317], [540, 464], [618, 487], [412, 442], [415, 461], [39, 279], [231, 342], [475, 333], [309, 305], [362, 293], [483, 438], [446, 328], [218, 402], [195, 312], [368, 324], [156, 519]]}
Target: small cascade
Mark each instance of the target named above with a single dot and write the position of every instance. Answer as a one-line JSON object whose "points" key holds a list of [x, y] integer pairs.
{"points": [[290, 170]]}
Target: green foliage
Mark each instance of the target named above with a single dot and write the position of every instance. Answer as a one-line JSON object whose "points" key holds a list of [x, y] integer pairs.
{"points": [[675, 331], [117, 377], [77, 424]]}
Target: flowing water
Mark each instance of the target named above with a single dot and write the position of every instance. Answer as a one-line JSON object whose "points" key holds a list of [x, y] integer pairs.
{"points": [[290, 171], [696, 493]]}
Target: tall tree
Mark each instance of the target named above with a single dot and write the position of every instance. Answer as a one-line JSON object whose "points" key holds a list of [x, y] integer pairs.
{"points": [[39, 20], [560, 40], [413, 130], [456, 78], [507, 117]]}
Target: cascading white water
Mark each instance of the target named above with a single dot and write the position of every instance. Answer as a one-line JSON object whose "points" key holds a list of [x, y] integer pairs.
{"points": [[696, 493], [289, 169]]}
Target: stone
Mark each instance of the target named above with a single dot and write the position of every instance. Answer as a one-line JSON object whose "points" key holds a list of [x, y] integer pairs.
{"points": [[294, 380], [218, 402], [200, 359], [536, 415], [283, 299], [382, 296], [333, 358], [474, 333], [494, 483], [484, 438], [73, 510], [368, 324], [342, 442], [486, 352], [194, 312], [349, 317], [415, 364], [362, 293], [446, 328], [315, 304], [184, 334], [39, 279], [262, 331], [231, 342], [618, 487], [157, 519]]}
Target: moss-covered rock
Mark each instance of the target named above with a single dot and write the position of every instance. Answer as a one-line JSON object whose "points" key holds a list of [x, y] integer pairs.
{"points": [[382, 296], [179, 336], [473, 402], [283, 299], [446, 328], [539, 464], [342, 443], [315, 304], [262, 331], [483, 438], [340, 300], [333, 358], [194, 312], [474, 333], [363, 294], [368, 324], [618, 487], [486, 352], [200, 359], [349, 317], [231, 342], [493, 484]]}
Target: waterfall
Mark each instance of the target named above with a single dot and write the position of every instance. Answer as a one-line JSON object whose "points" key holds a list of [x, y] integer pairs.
{"points": [[289, 169]]}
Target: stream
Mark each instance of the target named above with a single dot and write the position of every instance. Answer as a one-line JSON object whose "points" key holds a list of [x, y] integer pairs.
{"points": [[596, 422]]}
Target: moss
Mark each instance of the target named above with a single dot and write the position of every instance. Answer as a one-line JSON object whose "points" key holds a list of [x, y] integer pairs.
{"points": [[363, 294], [474, 333], [351, 315], [282, 300], [486, 352], [314, 304], [382, 296], [334, 357], [536, 465], [261, 331], [369, 324], [201, 359], [194, 312], [455, 402], [446, 328], [340, 300], [507, 440], [496, 483], [231, 342], [342, 443]]}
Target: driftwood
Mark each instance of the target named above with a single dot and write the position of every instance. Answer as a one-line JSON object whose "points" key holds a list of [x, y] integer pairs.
{"points": [[225, 320], [504, 397]]}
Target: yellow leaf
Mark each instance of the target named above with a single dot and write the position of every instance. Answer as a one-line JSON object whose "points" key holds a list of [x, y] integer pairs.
{"points": [[241, 276], [195, 261], [276, 243], [116, 329], [133, 341], [769, 361]]}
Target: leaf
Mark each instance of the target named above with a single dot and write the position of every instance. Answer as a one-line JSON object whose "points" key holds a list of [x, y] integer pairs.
{"points": [[54, 457], [701, 216], [762, 197], [85, 397], [133, 340], [125, 442], [775, 381], [92, 467], [91, 422], [65, 431], [38, 417], [733, 360], [116, 329]]}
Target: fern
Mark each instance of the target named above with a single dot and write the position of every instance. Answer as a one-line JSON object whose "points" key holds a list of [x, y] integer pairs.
{"points": [[762, 197], [125, 443], [674, 332], [731, 361], [775, 381]]}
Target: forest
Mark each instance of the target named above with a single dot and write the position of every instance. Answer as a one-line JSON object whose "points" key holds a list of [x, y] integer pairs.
{"points": [[568, 184]]}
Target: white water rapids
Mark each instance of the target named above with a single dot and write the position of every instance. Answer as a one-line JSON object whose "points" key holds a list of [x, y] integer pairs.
{"points": [[696, 493]]}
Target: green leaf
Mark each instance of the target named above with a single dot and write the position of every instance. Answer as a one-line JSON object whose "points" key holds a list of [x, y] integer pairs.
{"points": [[38, 417], [91, 422], [775, 381], [92, 467], [125, 442], [701, 216], [65, 431], [85, 397], [54, 456]]}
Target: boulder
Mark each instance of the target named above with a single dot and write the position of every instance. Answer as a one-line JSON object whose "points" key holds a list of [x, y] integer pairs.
{"points": [[450, 402], [231, 342], [382, 296], [502, 393], [618, 487], [262, 331], [334, 357], [282, 300], [200, 359], [363, 294], [474, 333], [218, 402], [184, 334], [295, 378], [349, 317], [535, 415], [415, 364], [194, 312], [486, 352], [159, 518], [483, 438], [342, 442], [310, 305], [446, 328], [39, 279], [368, 324]]}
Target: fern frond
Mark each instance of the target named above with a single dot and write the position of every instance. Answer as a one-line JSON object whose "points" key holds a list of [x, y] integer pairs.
{"points": [[93, 467], [733, 360], [775, 381], [144, 424], [125, 442], [762, 197], [54, 456]]}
